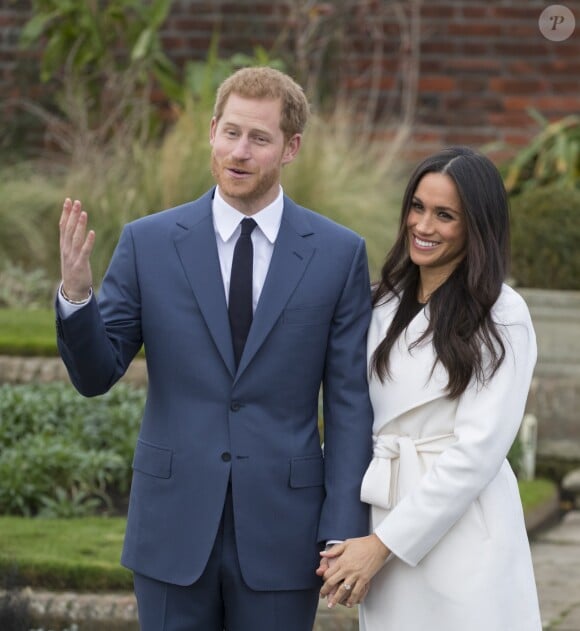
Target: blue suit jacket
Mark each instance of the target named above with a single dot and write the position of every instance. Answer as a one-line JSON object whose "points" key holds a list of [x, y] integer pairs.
{"points": [[205, 422]]}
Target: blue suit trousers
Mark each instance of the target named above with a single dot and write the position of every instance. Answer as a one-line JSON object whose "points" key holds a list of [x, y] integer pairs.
{"points": [[220, 600]]}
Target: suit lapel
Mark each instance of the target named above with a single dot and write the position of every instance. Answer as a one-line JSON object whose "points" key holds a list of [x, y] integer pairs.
{"points": [[197, 248], [290, 258]]}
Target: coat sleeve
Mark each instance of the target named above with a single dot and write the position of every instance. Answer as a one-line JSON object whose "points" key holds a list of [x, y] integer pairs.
{"points": [[347, 409], [487, 421], [98, 342]]}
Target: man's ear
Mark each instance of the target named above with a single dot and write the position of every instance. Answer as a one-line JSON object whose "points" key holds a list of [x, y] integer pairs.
{"points": [[291, 148], [212, 128]]}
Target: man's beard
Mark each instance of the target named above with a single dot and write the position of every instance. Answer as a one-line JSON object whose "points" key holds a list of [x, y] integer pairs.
{"points": [[256, 191]]}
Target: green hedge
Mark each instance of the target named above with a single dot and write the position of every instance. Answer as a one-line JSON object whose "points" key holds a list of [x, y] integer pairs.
{"points": [[28, 332], [64, 455], [545, 237], [62, 554]]}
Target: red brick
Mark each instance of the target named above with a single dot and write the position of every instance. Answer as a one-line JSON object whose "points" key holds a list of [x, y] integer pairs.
{"points": [[482, 63], [560, 67], [513, 120], [440, 12], [516, 103], [517, 13], [517, 140], [475, 12], [517, 31], [436, 84], [475, 29], [557, 103], [425, 136], [519, 67], [516, 86], [564, 85], [469, 137], [520, 49], [437, 47], [474, 48], [489, 65]]}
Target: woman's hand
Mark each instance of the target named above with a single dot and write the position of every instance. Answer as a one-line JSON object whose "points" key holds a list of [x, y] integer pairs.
{"points": [[348, 567]]}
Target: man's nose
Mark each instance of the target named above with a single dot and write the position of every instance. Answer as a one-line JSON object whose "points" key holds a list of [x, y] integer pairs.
{"points": [[241, 150]]}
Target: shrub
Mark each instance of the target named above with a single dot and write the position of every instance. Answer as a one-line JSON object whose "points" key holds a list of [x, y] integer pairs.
{"points": [[552, 157], [545, 236], [64, 455], [28, 332], [24, 289]]}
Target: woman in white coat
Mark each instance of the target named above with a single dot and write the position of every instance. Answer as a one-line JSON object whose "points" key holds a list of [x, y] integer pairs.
{"points": [[451, 356]]}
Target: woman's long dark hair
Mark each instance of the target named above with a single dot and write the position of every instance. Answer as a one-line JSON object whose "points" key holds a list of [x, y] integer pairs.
{"points": [[460, 321]]}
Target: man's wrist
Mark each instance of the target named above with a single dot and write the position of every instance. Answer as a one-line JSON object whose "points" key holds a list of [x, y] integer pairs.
{"points": [[73, 301], [331, 542]]}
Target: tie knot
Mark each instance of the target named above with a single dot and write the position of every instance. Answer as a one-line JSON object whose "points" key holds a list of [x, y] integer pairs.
{"points": [[247, 226]]}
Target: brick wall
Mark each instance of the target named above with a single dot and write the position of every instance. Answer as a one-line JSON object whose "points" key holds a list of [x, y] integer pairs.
{"points": [[481, 63]]}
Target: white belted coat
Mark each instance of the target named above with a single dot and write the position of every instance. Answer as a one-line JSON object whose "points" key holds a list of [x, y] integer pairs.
{"points": [[444, 498]]}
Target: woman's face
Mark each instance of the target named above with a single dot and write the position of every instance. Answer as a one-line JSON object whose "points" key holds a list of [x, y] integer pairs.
{"points": [[436, 226]]}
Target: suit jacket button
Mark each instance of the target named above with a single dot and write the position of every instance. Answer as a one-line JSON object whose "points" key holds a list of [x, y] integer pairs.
{"points": [[235, 406], [226, 456]]}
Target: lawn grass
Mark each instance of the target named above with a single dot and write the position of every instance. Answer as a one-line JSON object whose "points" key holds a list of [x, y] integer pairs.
{"points": [[27, 332], [83, 554], [80, 554], [534, 493]]}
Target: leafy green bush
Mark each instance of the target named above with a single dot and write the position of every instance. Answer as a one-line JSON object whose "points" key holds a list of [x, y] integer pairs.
{"points": [[552, 157], [24, 289], [545, 237], [64, 455]]}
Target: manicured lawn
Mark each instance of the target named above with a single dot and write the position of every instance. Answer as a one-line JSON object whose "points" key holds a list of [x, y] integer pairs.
{"points": [[83, 554], [536, 492], [80, 554], [27, 332]]}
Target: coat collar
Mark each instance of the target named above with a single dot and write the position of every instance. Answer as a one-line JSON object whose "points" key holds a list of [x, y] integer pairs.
{"points": [[413, 380]]}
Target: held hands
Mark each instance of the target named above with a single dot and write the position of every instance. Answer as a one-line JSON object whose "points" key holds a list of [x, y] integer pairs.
{"points": [[348, 567], [76, 246]]}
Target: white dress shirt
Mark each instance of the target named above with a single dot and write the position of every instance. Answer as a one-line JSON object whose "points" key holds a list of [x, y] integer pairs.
{"points": [[226, 221]]}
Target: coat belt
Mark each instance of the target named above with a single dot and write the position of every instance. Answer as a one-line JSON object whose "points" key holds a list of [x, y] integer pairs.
{"points": [[379, 483]]}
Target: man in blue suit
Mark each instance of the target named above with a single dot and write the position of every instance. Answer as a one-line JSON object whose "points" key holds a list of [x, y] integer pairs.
{"points": [[232, 496]]}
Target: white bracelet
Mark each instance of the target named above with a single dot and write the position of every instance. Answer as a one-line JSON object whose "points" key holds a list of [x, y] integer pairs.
{"points": [[75, 302]]}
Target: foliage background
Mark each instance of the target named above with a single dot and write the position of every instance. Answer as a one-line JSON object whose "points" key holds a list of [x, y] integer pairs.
{"points": [[64, 455]]}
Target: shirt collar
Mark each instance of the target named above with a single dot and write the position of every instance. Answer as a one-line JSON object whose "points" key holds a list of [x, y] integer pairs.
{"points": [[226, 218]]}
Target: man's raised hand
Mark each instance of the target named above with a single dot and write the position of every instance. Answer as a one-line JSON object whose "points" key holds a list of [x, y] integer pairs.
{"points": [[76, 245]]}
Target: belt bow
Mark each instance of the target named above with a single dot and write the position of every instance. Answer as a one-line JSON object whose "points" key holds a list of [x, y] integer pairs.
{"points": [[378, 484]]}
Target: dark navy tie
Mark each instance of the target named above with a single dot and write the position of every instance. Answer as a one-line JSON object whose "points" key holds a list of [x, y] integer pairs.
{"points": [[240, 298]]}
